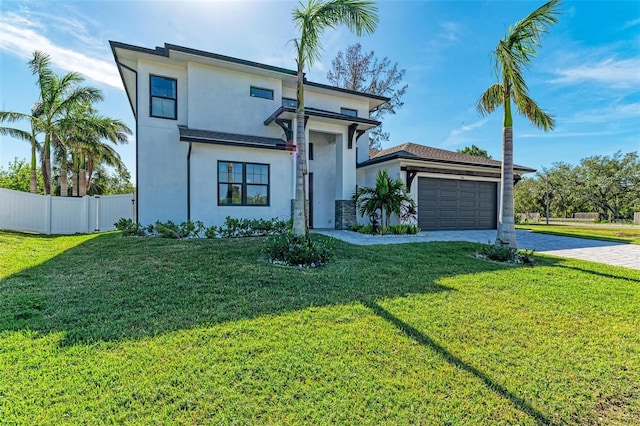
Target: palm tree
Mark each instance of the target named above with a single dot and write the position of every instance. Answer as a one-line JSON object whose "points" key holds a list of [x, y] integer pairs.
{"points": [[388, 197], [31, 137], [90, 149], [513, 54], [312, 19], [57, 94]]}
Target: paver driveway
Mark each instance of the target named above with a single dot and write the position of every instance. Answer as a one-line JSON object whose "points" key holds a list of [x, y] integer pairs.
{"points": [[608, 252]]}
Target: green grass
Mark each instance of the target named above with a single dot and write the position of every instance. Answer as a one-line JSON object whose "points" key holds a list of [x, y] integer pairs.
{"points": [[104, 329], [629, 235]]}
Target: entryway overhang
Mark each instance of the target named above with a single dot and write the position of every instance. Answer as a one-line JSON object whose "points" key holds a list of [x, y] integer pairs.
{"points": [[284, 116]]}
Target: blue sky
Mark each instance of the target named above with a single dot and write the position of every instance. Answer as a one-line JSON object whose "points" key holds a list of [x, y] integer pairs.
{"points": [[587, 73]]}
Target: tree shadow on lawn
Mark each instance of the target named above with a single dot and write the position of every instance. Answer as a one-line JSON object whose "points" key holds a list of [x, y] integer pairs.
{"points": [[598, 273], [112, 288], [428, 342]]}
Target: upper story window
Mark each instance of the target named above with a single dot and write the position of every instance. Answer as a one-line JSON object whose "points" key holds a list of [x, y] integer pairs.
{"points": [[243, 184], [163, 97], [288, 102], [348, 111], [259, 92]]}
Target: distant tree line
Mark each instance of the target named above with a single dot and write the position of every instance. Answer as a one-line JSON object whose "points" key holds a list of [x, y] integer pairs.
{"points": [[17, 176], [608, 185]]}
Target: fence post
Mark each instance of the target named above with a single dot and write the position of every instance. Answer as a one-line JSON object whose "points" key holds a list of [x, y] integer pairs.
{"points": [[47, 214], [84, 216], [97, 197]]}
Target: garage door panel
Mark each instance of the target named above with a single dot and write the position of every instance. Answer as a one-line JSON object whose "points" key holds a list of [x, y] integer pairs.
{"points": [[446, 193], [456, 204]]}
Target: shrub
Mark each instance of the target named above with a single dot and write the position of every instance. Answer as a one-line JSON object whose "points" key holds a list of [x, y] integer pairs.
{"points": [[357, 227], [401, 229], [188, 229], [211, 232], [293, 250], [130, 228], [398, 229], [501, 252], [413, 229], [234, 228]]}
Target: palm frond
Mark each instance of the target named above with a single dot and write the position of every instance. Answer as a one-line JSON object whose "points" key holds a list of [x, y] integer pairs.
{"points": [[530, 109], [491, 99], [312, 19], [15, 133]]}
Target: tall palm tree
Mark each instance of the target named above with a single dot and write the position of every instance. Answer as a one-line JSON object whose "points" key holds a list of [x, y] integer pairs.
{"points": [[512, 55], [31, 137], [312, 19], [89, 148], [57, 94]]}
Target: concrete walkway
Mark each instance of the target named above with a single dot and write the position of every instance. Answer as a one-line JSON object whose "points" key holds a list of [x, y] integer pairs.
{"points": [[607, 252]]}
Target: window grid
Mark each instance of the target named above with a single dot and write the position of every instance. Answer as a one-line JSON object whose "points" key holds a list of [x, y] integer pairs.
{"points": [[163, 97], [260, 92], [289, 102], [348, 111], [243, 184]]}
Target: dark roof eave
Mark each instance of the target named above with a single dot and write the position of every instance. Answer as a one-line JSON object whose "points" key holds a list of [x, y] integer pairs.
{"points": [[231, 143], [408, 156], [204, 136], [312, 112]]}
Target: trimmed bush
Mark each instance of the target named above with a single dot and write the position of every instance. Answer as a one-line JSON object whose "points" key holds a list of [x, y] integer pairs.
{"points": [[292, 250], [501, 252], [234, 228], [129, 228]]}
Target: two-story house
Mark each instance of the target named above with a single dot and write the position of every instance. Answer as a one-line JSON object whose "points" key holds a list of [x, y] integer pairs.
{"points": [[215, 138]]}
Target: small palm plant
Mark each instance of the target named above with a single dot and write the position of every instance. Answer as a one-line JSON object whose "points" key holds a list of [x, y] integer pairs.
{"points": [[389, 197]]}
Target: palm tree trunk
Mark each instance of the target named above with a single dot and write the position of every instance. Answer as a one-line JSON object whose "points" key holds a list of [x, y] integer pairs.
{"points": [[33, 180], [82, 182], [64, 190], [46, 172], [506, 225], [300, 225], [74, 176]]}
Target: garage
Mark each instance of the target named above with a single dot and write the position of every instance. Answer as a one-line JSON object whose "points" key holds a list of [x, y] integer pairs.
{"points": [[456, 204]]}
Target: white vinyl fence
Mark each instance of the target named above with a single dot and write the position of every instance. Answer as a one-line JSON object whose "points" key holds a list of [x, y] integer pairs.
{"points": [[22, 211]]}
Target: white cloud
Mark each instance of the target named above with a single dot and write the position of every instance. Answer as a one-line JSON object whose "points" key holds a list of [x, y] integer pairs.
{"points": [[21, 37], [561, 135], [606, 114], [449, 32], [458, 136], [630, 24], [617, 73]]}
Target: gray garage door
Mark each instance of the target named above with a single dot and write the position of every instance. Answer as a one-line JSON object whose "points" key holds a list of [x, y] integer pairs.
{"points": [[456, 204]]}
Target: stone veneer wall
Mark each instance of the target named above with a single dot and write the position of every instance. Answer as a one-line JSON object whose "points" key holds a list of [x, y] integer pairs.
{"points": [[345, 214]]}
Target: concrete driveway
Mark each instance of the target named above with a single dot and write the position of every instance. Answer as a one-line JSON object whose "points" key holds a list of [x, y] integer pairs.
{"points": [[608, 252]]}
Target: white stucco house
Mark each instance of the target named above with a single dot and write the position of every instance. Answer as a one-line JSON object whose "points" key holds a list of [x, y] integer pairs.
{"points": [[215, 138]]}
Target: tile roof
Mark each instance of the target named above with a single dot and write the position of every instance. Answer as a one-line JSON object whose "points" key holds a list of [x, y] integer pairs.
{"points": [[411, 150]]}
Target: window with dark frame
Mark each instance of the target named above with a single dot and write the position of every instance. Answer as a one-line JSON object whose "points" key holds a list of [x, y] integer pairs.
{"points": [[260, 92], [310, 151], [290, 103], [348, 111], [243, 184], [163, 99]]}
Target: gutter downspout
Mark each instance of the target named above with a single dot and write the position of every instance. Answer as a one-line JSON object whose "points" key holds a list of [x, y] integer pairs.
{"points": [[189, 183], [135, 115]]}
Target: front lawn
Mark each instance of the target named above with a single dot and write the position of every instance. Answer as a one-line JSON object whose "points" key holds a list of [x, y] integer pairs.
{"points": [[611, 233], [104, 329]]}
